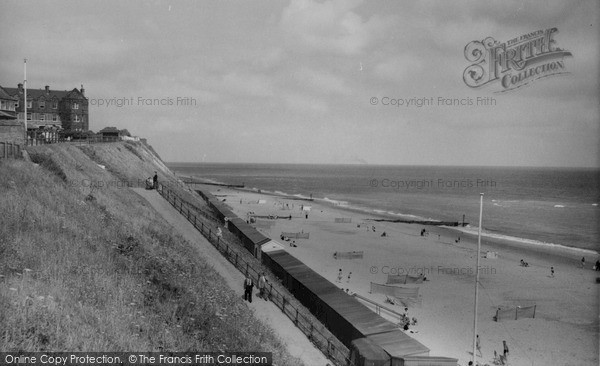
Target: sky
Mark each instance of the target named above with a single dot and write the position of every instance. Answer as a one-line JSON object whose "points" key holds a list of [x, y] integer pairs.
{"points": [[317, 82]]}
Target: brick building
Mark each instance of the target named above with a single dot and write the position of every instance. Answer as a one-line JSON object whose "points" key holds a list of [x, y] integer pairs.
{"points": [[11, 130], [45, 107]]}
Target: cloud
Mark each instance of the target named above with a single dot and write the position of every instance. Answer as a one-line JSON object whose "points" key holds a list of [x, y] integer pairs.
{"points": [[255, 85], [398, 67], [331, 26], [299, 102], [320, 81]]}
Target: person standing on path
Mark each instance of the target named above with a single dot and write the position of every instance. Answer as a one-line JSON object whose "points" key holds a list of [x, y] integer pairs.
{"points": [[248, 286], [155, 180], [262, 286]]}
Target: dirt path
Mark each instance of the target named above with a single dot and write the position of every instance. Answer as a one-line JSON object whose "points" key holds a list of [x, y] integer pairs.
{"points": [[297, 343]]}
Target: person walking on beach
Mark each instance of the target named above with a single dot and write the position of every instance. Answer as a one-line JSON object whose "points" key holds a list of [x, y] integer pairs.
{"points": [[551, 271], [349, 275], [478, 345], [155, 180], [583, 262], [339, 278], [505, 349], [262, 286], [248, 286]]}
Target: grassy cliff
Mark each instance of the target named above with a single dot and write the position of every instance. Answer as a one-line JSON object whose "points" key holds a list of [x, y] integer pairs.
{"points": [[87, 265]]}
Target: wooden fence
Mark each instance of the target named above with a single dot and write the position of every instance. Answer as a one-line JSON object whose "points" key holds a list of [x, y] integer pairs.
{"points": [[329, 345], [10, 150]]}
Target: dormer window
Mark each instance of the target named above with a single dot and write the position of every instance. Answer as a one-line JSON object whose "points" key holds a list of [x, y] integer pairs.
{"points": [[42, 104], [54, 104], [29, 104]]}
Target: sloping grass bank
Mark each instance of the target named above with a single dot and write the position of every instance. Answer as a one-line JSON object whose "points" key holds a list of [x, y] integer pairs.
{"points": [[87, 265]]}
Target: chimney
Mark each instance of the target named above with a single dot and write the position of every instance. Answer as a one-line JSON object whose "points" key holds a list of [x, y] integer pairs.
{"points": [[82, 90], [47, 89]]}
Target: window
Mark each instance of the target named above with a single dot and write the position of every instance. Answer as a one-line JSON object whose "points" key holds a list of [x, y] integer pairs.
{"points": [[75, 105], [3, 105], [42, 104], [42, 117], [76, 118], [54, 104], [54, 117], [17, 103], [29, 116], [29, 104]]}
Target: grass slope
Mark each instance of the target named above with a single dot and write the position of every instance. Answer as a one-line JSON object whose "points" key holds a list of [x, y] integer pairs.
{"points": [[86, 265]]}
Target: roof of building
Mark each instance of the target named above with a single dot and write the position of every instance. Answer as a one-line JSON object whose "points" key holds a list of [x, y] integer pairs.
{"points": [[109, 130], [50, 94], [5, 94], [248, 231]]}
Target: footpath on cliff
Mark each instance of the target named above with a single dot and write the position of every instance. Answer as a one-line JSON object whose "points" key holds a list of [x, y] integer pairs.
{"points": [[296, 342]]}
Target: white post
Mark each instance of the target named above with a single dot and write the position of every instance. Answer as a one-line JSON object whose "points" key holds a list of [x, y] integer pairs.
{"points": [[25, 100], [477, 281]]}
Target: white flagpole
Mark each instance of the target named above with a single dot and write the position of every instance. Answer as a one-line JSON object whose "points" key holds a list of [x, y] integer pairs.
{"points": [[25, 100], [477, 281]]}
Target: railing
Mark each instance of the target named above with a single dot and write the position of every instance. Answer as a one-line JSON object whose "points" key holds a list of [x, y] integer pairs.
{"points": [[43, 140], [10, 150], [378, 306], [330, 347]]}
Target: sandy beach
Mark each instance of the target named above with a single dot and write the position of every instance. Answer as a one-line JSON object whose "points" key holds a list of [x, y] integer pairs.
{"points": [[563, 332]]}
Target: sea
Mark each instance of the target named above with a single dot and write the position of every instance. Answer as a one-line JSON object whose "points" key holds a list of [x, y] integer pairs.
{"points": [[551, 207]]}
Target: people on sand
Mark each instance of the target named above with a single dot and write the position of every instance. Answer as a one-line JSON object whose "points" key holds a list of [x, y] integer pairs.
{"points": [[583, 262], [248, 286], [457, 240], [383, 234], [524, 264], [505, 348], [349, 275], [339, 277], [155, 180], [551, 271]]}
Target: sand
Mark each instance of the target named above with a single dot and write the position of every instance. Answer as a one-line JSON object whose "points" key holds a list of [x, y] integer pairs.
{"points": [[563, 332]]}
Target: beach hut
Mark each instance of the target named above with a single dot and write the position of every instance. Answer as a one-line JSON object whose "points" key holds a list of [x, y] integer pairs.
{"points": [[366, 353], [250, 238]]}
